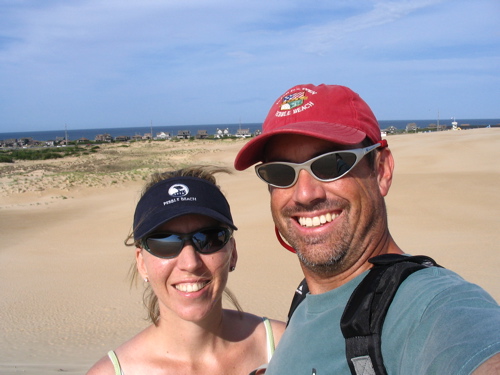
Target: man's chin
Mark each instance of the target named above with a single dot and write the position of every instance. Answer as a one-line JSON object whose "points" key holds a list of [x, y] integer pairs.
{"points": [[323, 267]]}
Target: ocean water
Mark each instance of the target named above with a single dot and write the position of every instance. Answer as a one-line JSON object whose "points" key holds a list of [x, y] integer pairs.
{"points": [[74, 134]]}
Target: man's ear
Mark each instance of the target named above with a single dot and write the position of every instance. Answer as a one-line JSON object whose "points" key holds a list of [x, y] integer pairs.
{"points": [[384, 168]]}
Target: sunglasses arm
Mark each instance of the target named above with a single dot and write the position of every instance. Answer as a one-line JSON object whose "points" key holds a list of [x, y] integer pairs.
{"points": [[383, 143], [282, 241]]}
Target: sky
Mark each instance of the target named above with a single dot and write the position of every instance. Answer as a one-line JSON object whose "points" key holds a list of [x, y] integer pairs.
{"points": [[126, 63]]}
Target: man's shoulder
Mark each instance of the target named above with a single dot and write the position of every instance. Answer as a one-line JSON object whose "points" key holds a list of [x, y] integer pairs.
{"points": [[434, 293], [437, 280]]}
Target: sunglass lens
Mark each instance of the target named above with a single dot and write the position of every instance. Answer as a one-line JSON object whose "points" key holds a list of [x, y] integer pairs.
{"points": [[334, 165], [210, 240], [164, 247], [277, 174]]}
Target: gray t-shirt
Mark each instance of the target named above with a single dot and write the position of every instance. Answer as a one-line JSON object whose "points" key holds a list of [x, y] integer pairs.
{"points": [[437, 324]]}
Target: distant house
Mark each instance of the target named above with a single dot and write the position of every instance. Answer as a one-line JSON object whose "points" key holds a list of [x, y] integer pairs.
{"points": [[103, 138], [147, 136], [122, 138], [411, 127], [222, 133], [82, 140], [391, 130], [137, 137], [162, 135], [243, 133], [25, 141], [183, 134], [11, 142], [201, 134]]}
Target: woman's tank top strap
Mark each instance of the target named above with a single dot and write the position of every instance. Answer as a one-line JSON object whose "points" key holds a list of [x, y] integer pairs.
{"points": [[116, 364], [269, 338]]}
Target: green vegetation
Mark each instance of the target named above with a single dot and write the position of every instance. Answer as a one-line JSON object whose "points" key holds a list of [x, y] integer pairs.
{"points": [[6, 159], [9, 156]]}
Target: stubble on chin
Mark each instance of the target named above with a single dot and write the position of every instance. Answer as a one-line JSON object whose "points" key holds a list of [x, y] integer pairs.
{"points": [[325, 260], [323, 255]]}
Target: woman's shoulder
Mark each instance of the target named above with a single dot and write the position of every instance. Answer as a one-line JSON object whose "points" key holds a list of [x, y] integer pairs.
{"points": [[256, 324], [134, 347], [102, 367]]}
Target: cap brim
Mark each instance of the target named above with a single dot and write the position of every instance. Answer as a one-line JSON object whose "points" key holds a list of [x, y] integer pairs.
{"points": [[253, 151], [161, 217]]}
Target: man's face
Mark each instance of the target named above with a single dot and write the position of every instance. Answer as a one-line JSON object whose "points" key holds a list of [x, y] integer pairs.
{"points": [[329, 224]]}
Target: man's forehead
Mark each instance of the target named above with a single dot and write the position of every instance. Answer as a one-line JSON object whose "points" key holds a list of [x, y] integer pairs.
{"points": [[290, 147]]}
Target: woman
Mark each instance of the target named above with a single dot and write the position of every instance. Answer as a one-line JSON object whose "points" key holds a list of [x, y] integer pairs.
{"points": [[184, 252]]}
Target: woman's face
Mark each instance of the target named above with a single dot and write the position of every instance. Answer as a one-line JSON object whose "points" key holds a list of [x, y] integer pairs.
{"points": [[191, 284]]}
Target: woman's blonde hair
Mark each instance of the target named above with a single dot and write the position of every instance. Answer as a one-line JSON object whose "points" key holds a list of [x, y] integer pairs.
{"points": [[205, 172]]}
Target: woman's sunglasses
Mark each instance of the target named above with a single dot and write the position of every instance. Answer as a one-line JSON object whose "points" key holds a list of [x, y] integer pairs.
{"points": [[327, 167], [169, 245]]}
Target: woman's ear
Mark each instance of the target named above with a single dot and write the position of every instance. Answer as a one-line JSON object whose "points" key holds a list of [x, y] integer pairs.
{"points": [[141, 267], [385, 168], [234, 255]]}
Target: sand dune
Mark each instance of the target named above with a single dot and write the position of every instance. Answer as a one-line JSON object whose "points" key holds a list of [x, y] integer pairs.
{"points": [[64, 294]]}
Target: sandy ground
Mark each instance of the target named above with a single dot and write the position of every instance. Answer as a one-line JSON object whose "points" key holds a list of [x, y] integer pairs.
{"points": [[65, 298]]}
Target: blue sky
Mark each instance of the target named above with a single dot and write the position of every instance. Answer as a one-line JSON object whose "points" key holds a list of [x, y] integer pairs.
{"points": [[120, 63]]}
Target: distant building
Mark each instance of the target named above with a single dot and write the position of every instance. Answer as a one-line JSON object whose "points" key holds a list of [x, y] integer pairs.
{"points": [[103, 138], [201, 134], [25, 141], [162, 135], [390, 130], [219, 133], [243, 133], [11, 142], [122, 138], [183, 134], [411, 127], [137, 137]]}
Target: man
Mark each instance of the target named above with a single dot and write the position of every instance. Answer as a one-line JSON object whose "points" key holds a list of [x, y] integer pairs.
{"points": [[329, 206]]}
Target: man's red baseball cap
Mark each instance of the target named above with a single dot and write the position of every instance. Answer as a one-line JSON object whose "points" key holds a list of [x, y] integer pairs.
{"points": [[331, 112]]}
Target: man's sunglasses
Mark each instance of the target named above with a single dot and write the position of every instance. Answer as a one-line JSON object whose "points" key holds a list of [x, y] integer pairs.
{"points": [[169, 245], [326, 167]]}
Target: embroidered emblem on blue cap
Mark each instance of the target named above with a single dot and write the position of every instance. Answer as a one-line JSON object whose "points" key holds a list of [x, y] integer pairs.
{"points": [[178, 190]]}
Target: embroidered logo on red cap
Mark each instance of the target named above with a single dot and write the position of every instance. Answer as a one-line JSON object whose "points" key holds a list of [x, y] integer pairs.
{"points": [[294, 101]]}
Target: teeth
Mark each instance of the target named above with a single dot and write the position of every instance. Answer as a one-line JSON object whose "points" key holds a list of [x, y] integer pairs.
{"points": [[191, 287], [316, 221]]}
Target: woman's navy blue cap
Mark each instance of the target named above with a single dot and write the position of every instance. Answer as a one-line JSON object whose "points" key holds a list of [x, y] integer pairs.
{"points": [[179, 196]]}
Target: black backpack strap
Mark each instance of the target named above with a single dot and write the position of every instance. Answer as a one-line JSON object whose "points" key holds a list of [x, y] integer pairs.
{"points": [[298, 297], [364, 315]]}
